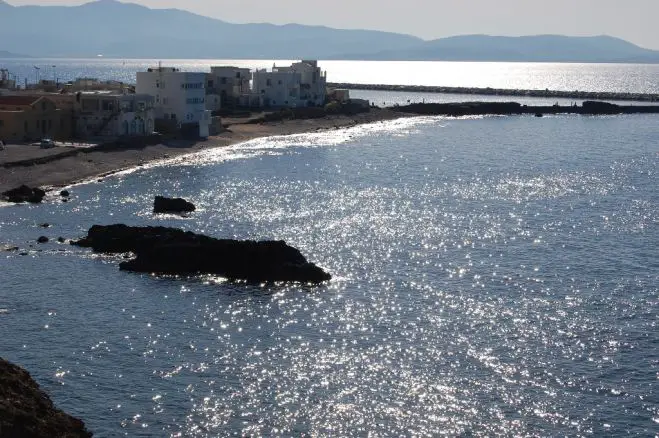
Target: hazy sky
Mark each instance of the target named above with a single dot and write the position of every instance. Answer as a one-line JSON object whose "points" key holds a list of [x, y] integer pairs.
{"points": [[633, 20]]}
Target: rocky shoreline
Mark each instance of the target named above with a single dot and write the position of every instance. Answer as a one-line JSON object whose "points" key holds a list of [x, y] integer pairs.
{"points": [[27, 411], [459, 109]]}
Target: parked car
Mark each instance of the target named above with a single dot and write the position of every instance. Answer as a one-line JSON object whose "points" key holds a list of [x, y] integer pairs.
{"points": [[47, 143]]}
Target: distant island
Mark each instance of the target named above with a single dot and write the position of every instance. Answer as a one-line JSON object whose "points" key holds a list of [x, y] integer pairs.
{"points": [[157, 33]]}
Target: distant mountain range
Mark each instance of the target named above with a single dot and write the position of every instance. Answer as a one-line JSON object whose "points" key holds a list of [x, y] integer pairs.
{"points": [[125, 30], [538, 48]]}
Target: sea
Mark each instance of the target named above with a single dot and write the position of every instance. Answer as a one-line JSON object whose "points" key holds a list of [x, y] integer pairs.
{"points": [[492, 276]]}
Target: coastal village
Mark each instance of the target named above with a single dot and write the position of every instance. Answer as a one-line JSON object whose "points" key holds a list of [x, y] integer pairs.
{"points": [[162, 100]]}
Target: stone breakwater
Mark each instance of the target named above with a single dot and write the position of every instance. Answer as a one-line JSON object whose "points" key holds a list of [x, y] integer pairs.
{"points": [[551, 94]]}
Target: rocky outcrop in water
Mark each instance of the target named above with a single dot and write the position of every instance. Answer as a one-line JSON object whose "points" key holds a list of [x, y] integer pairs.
{"points": [[172, 205], [172, 251], [24, 194], [26, 411]]}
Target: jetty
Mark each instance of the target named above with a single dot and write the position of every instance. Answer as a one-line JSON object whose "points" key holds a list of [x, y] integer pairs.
{"points": [[547, 93]]}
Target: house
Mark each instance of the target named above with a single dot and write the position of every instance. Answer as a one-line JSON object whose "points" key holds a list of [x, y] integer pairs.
{"points": [[108, 114], [313, 82], [301, 84], [31, 118], [227, 84], [180, 98], [277, 88]]}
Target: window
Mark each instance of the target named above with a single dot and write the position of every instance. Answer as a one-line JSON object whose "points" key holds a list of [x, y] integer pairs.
{"points": [[50, 124], [280, 82], [43, 105], [237, 75], [38, 124], [223, 81], [268, 82]]}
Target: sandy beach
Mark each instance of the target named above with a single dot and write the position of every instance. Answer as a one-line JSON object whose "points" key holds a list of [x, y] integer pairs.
{"points": [[66, 166]]}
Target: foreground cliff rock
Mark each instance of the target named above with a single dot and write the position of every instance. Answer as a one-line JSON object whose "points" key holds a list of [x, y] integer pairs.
{"points": [[172, 205], [171, 251], [24, 194], [26, 411]]}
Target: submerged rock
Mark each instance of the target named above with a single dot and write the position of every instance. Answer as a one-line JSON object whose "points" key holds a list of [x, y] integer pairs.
{"points": [[172, 205], [24, 194], [172, 251], [26, 411], [64, 193], [43, 239]]}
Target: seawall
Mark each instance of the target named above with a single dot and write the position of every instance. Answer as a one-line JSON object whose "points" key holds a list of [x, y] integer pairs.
{"points": [[586, 95]]}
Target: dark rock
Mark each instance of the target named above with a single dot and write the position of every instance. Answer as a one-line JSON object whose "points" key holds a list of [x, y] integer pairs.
{"points": [[11, 248], [65, 200], [596, 107], [462, 108], [23, 254], [24, 194], [26, 411], [43, 239], [61, 240], [538, 114], [64, 193], [172, 251], [172, 205], [46, 225]]}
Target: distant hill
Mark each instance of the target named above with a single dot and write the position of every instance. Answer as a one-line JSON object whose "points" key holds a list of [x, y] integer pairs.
{"points": [[539, 48], [125, 30], [4, 55]]}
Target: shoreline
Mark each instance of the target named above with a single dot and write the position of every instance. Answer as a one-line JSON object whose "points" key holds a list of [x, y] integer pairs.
{"points": [[70, 166]]}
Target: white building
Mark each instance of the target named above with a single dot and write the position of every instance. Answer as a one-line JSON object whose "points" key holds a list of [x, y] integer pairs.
{"points": [[301, 84], [228, 83], [313, 82], [6, 81], [107, 114], [277, 88], [179, 96]]}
